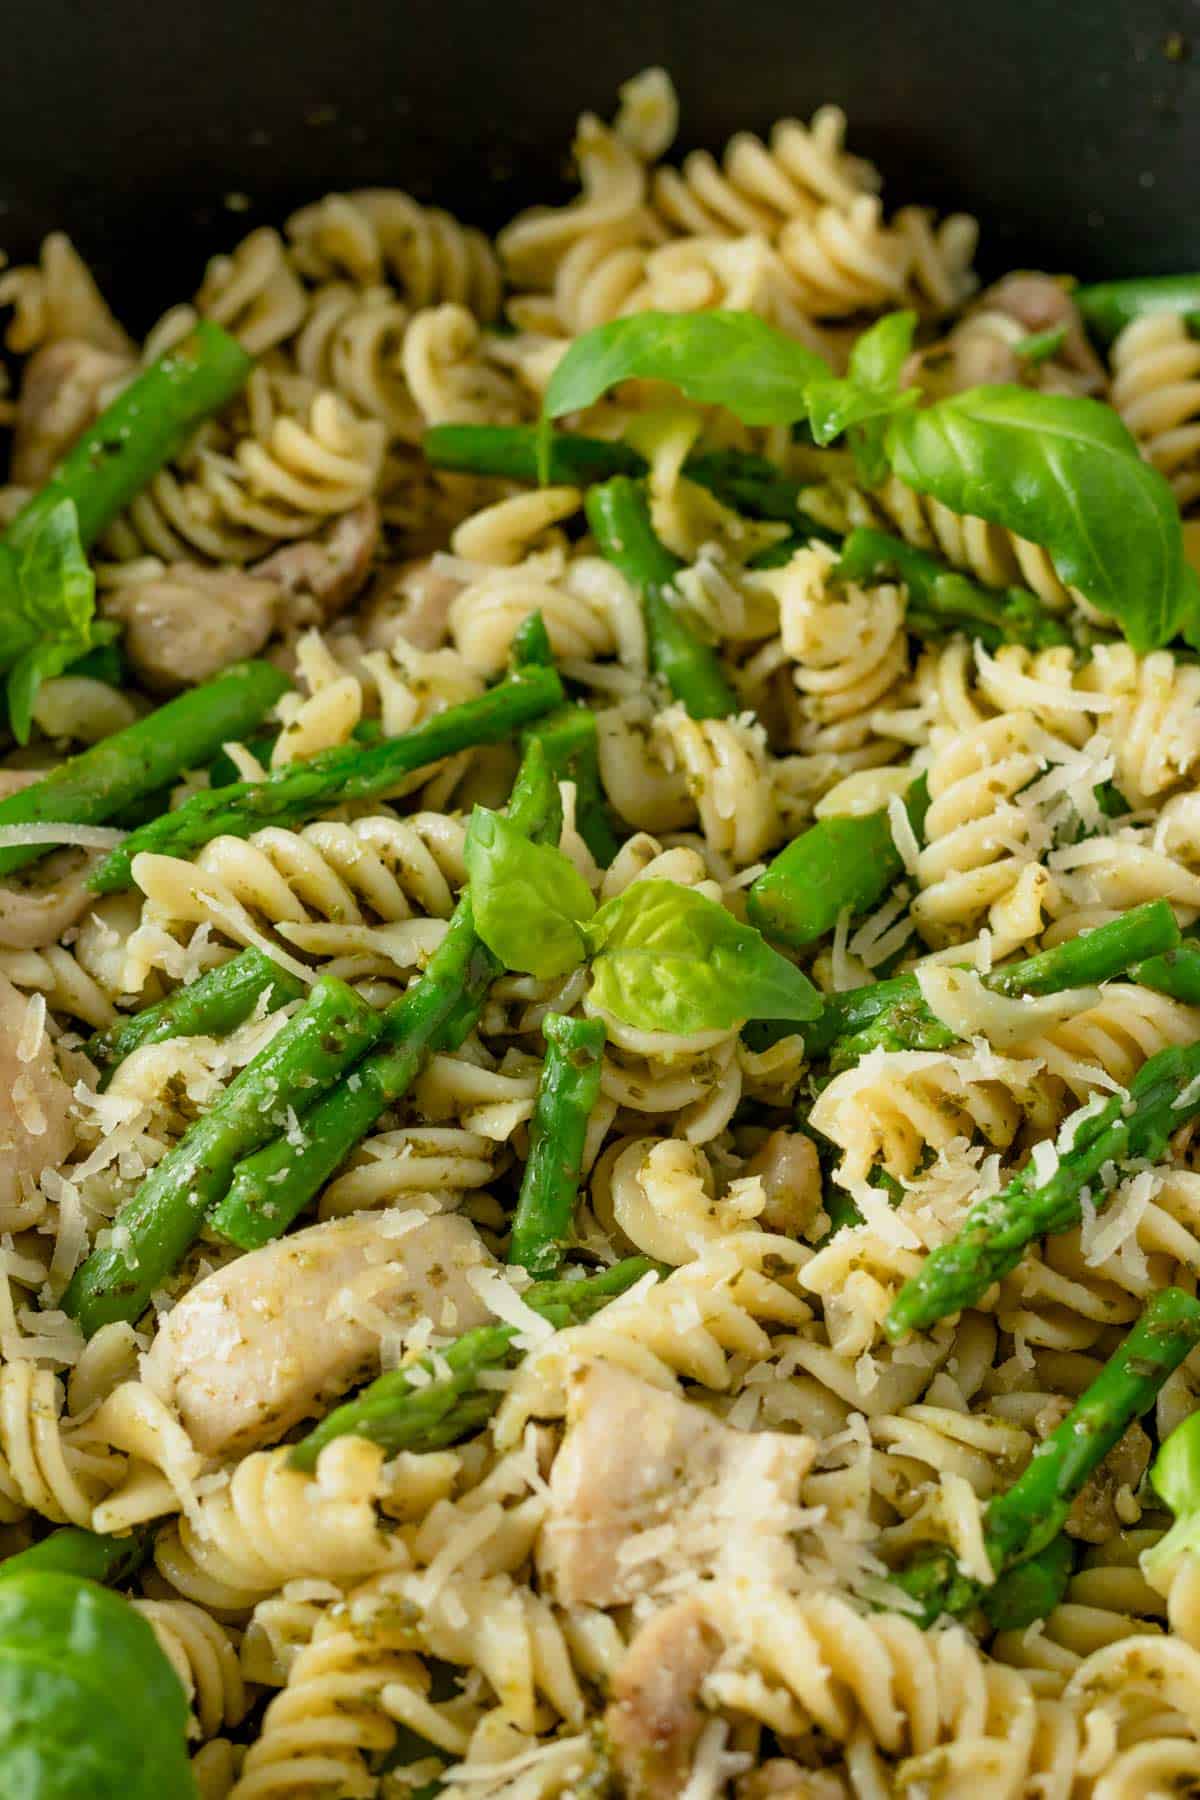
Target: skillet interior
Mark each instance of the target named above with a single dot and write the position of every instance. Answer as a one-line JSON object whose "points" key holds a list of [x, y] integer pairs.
{"points": [[1072, 129]]}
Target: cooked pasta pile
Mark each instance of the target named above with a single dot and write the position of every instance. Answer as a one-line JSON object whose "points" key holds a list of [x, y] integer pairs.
{"points": [[648, 1548]]}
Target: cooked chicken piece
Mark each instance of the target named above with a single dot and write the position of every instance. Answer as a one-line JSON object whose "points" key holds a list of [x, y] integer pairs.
{"points": [[636, 1458], [791, 1177], [782, 1779], [321, 576], [1040, 303], [39, 903], [983, 347], [268, 1339], [978, 352], [184, 625], [1105, 1505], [411, 601], [62, 392], [35, 1101], [654, 1717]]}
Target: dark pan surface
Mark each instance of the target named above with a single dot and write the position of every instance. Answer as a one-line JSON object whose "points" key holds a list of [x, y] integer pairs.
{"points": [[1073, 128]]}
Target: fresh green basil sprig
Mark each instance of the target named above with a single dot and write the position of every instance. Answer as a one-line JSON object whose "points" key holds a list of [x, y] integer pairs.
{"points": [[663, 957], [47, 607], [1059, 470], [860, 403], [1065, 473]]}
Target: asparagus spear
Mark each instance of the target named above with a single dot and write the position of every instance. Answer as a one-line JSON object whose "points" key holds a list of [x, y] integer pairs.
{"points": [[511, 453], [620, 520], [1108, 306], [749, 484], [399, 1414], [568, 1091], [267, 1190], [1022, 1526], [892, 1014], [1176, 971], [942, 600], [300, 790], [212, 1006], [148, 423], [72, 1551], [838, 863], [103, 781], [568, 738], [1163, 1095], [153, 1230]]}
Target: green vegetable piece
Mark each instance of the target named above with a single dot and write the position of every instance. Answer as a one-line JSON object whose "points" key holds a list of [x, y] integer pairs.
{"points": [[531, 647], [1111, 949], [1041, 346], [840, 862], [942, 600], [1024, 1519], [528, 899], [543, 1225], [401, 1414], [47, 602], [147, 425], [1064, 472], [271, 1188], [510, 453], [301, 790], [732, 359], [860, 402], [568, 739], [1108, 306], [1175, 972], [1175, 1478], [620, 519], [892, 1014], [90, 1708], [667, 959], [153, 1230], [1031, 1590], [110, 776], [87, 1554], [212, 1006], [1163, 1095]]}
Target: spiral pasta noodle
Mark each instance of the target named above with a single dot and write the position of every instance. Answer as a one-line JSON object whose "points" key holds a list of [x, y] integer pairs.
{"points": [[1156, 390], [271, 1524], [378, 234]]}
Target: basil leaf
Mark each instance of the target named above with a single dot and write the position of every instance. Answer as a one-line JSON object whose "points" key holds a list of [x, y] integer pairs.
{"points": [[667, 959], [870, 393], [528, 899], [47, 601], [1065, 473], [46, 660], [731, 359], [90, 1708]]}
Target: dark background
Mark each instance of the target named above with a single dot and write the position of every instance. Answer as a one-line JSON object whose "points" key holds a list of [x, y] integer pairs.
{"points": [[1074, 129]]}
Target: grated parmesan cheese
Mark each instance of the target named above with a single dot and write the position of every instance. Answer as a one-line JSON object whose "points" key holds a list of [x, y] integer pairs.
{"points": [[85, 837], [903, 835], [502, 1299], [33, 1030]]}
